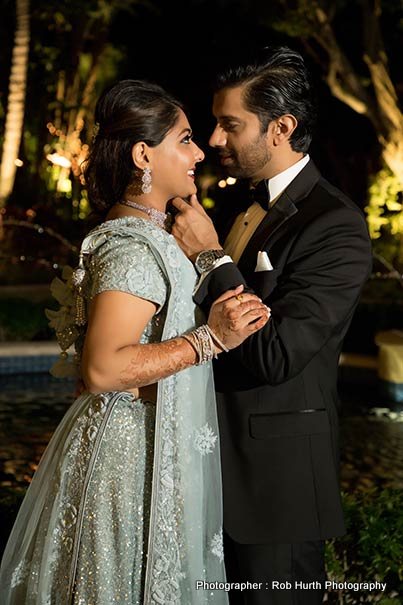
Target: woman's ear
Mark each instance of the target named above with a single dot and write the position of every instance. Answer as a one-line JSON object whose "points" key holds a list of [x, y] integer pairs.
{"points": [[140, 155], [282, 128]]}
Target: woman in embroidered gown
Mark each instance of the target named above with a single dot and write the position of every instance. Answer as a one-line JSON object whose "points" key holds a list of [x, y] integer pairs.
{"points": [[125, 506]]}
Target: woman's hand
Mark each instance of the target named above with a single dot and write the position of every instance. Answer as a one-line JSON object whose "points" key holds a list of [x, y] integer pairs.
{"points": [[235, 316], [193, 229]]}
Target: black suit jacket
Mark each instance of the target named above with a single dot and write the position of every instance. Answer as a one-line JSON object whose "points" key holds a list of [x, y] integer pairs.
{"points": [[276, 393]]}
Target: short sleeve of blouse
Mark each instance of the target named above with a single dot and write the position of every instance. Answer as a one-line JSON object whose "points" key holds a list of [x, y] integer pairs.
{"points": [[125, 264]]}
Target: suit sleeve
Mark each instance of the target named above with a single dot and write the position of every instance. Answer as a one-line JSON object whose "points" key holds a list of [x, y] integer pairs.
{"points": [[319, 287]]}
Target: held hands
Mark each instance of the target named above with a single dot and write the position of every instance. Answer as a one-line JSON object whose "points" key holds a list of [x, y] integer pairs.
{"points": [[193, 229], [235, 316]]}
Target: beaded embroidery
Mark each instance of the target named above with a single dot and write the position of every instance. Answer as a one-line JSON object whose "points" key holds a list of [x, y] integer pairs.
{"points": [[205, 440], [217, 545]]}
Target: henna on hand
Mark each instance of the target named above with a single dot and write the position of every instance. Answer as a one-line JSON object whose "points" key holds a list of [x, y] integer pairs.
{"points": [[193, 229], [234, 317]]}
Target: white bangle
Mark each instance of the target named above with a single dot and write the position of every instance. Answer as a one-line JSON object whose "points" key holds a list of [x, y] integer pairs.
{"points": [[217, 340]]}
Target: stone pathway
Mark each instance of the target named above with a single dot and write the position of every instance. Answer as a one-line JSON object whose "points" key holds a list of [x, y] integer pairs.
{"points": [[371, 452]]}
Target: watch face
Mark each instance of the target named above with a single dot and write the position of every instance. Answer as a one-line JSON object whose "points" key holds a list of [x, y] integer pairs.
{"points": [[206, 259]]}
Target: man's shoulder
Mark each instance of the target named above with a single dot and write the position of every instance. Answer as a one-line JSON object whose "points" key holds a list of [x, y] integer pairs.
{"points": [[335, 196], [325, 199]]}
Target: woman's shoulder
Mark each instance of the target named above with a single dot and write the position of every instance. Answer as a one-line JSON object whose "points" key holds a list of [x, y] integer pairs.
{"points": [[130, 224], [124, 259], [133, 242], [124, 233]]}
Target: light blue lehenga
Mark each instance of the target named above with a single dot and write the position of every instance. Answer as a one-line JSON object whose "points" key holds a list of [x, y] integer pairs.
{"points": [[125, 507]]}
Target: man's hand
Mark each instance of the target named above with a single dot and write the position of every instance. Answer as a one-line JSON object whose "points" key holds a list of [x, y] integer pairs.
{"points": [[193, 229]]}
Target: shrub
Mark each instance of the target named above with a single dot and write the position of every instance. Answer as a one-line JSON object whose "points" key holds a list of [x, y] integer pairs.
{"points": [[24, 320], [371, 550]]}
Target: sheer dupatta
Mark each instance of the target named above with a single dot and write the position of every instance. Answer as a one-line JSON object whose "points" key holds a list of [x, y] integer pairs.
{"points": [[185, 536]]}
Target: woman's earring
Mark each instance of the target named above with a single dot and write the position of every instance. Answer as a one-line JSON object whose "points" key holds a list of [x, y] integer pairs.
{"points": [[146, 180]]}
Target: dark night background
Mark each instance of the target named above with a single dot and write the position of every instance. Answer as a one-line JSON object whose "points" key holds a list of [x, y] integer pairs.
{"points": [[181, 45]]}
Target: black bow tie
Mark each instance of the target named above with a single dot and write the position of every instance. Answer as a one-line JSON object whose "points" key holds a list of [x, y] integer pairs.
{"points": [[260, 194]]}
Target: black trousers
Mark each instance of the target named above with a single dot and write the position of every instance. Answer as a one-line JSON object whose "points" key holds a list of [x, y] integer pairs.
{"points": [[283, 574]]}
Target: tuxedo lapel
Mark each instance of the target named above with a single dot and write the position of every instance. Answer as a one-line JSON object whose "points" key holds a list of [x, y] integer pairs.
{"points": [[285, 207], [274, 219]]}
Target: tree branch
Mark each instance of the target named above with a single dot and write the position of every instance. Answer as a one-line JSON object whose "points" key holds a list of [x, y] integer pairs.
{"points": [[376, 60], [341, 77]]}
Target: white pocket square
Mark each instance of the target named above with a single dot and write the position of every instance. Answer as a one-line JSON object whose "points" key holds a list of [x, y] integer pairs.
{"points": [[263, 262]]}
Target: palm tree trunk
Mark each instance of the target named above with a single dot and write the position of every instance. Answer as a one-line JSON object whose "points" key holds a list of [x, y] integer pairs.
{"points": [[16, 101]]}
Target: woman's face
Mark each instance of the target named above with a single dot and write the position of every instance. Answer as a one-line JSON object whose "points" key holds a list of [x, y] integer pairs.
{"points": [[173, 162]]}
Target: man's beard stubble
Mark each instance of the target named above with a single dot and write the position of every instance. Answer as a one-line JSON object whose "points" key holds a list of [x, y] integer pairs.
{"points": [[250, 160]]}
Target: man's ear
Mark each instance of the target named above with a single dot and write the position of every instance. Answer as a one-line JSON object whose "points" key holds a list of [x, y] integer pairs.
{"points": [[141, 155], [282, 128]]}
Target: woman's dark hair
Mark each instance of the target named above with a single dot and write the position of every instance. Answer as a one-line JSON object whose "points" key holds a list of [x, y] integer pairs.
{"points": [[126, 113], [277, 82]]}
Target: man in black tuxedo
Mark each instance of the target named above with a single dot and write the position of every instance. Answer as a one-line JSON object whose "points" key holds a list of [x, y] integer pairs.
{"points": [[303, 247]]}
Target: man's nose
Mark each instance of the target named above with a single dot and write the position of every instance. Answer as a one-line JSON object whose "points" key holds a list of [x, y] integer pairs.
{"points": [[218, 137]]}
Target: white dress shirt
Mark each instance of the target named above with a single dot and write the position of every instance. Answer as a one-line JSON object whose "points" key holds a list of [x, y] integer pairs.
{"points": [[247, 222]]}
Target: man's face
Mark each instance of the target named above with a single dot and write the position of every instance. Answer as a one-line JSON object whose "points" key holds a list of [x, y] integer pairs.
{"points": [[243, 149]]}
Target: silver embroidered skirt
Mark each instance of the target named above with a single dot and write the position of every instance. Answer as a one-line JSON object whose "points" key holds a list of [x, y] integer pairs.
{"points": [[81, 534]]}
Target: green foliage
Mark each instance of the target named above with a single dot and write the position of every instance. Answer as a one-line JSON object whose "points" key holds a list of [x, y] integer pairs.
{"points": [[24, 320], [372, 549], [385, 215], [298, 19], [109, 64], [30, 149], [71, 61], [385, 205], [297, 23]]}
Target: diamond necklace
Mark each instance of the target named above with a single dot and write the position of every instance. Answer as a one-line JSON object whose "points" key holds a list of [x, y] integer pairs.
{"points": [[156, 216]]}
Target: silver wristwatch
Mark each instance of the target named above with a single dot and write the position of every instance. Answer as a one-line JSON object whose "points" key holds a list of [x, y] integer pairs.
{"points": [[205, 260]]}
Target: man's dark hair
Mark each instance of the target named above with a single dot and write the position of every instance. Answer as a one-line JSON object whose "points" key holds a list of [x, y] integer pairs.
{"points": [[276, 82], [126, 113]]}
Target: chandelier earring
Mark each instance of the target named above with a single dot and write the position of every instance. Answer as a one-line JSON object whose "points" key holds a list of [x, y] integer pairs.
{"points": [[146, 180]]}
